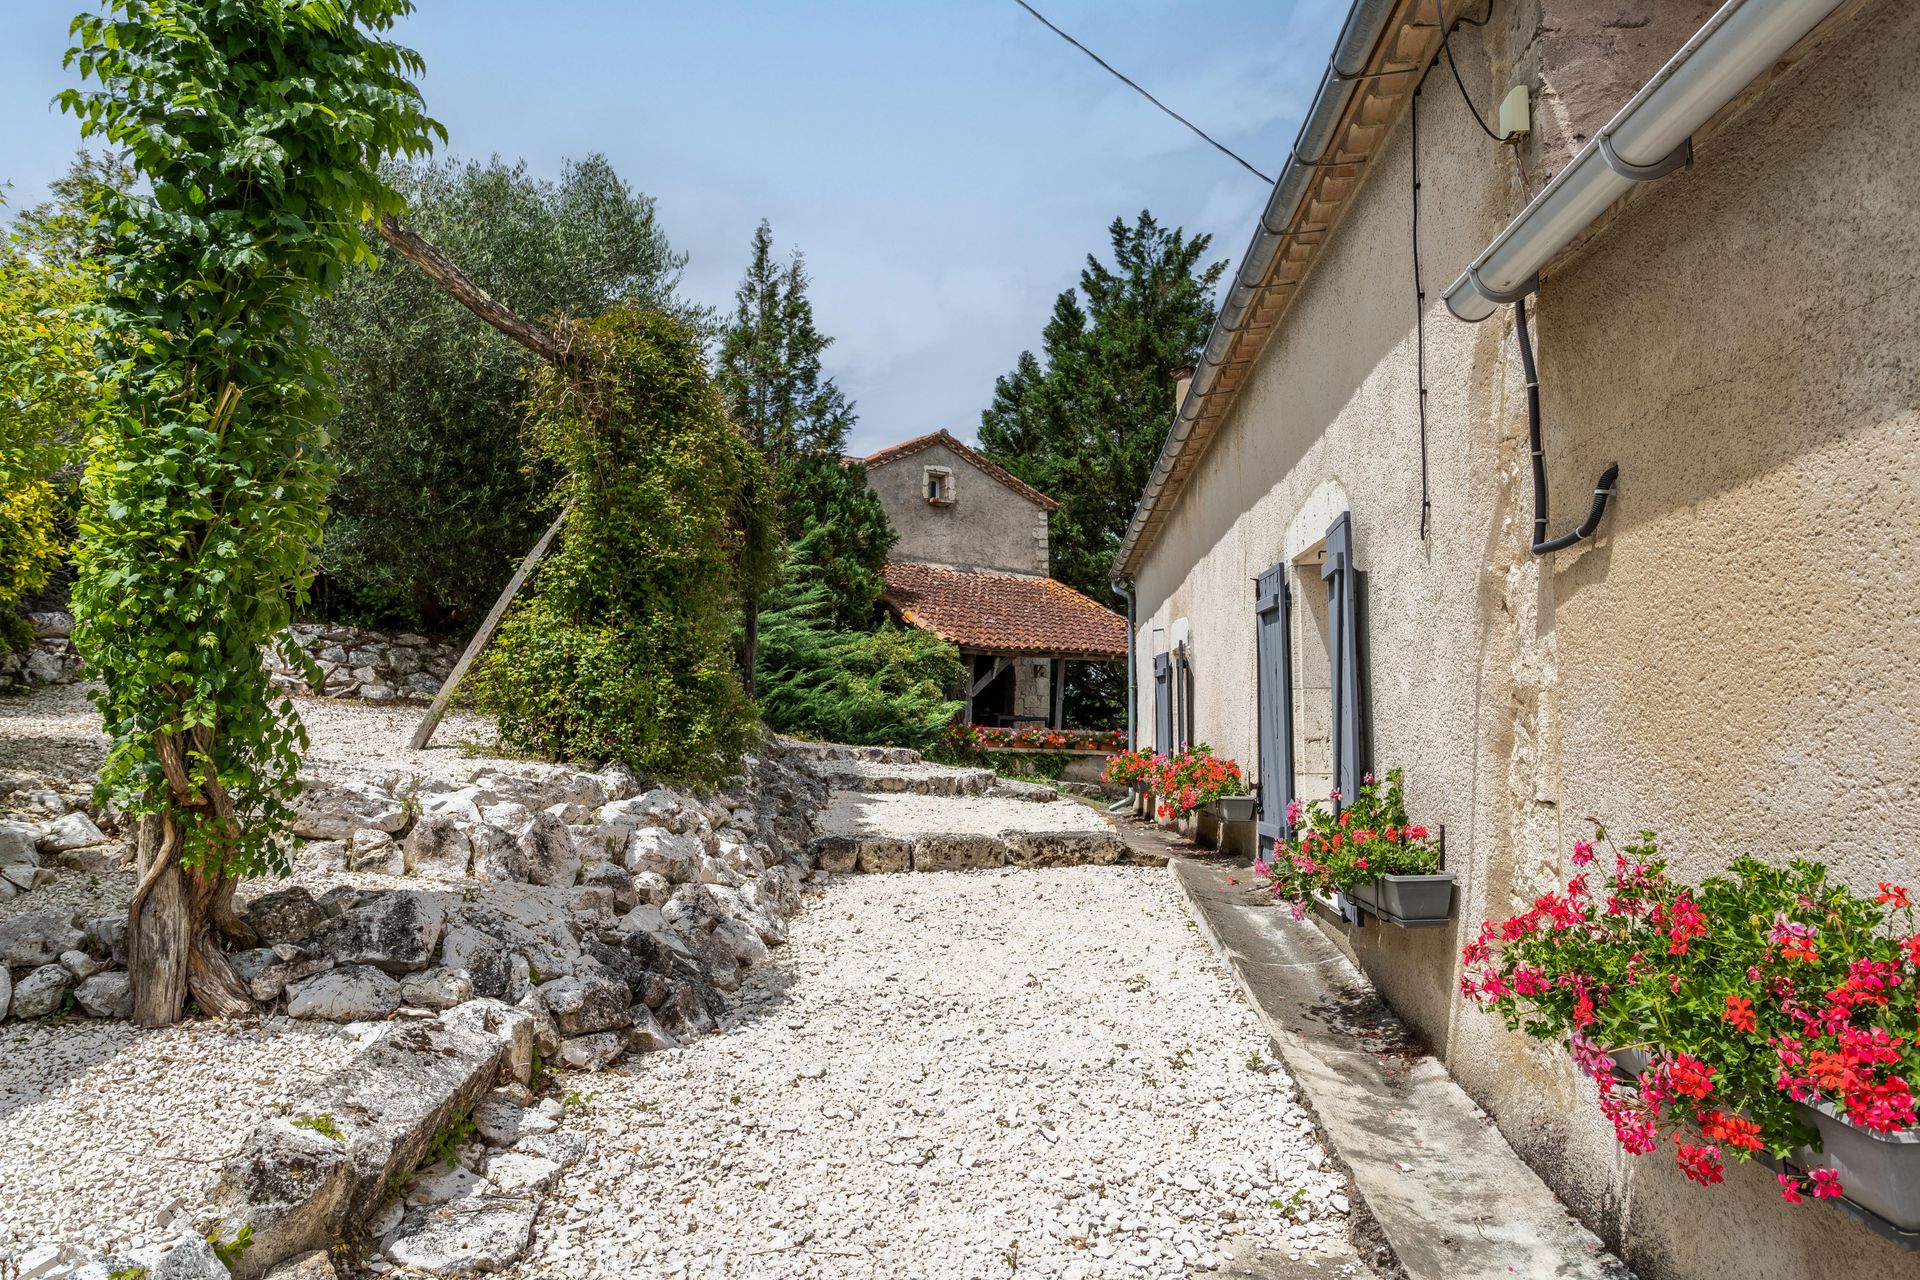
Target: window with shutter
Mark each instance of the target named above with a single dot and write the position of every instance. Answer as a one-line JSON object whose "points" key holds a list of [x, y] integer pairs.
{"points": [[1347, 649], [1273, 702]]}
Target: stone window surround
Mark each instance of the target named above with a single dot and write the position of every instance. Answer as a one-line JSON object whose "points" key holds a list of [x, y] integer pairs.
{"points": [[938, 484]]}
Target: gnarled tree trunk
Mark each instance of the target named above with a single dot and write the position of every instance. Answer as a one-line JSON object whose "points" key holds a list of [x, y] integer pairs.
{"points": [[180, 914]]}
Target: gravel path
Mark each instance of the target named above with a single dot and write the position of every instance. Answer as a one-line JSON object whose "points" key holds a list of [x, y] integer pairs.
{"points": [[966, 1074], [104, 1127]]}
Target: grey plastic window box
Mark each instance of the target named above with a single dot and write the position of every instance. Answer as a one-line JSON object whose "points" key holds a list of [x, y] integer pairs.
{"points": [[1232, 808], [1411, 902], [1880, 1172]]}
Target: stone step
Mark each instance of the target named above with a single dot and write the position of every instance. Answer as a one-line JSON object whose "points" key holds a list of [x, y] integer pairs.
{"points": [[888, 832], [840, 751], [896, 778]]}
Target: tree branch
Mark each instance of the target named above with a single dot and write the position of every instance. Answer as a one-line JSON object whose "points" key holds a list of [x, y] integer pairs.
{"points": [[440, 269]]}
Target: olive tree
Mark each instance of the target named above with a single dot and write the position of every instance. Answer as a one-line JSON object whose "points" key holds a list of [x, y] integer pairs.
{"points": [[259, 127]]}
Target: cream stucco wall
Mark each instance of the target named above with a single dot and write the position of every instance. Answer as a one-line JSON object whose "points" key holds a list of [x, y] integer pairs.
{"points": [[986, 526], [1735, 662]]}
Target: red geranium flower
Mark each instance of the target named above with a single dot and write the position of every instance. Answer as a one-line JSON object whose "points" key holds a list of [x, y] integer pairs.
{"points": [[1740, 1013]]}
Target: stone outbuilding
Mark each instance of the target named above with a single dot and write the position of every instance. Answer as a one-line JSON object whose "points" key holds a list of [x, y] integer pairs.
{"points": [[971, 565]]}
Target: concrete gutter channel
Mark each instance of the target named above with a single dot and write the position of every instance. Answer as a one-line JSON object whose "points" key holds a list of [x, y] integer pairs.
{"points": [[1451, 1198]]}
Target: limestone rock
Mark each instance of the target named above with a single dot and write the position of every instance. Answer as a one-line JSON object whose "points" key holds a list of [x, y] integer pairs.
{"points": [[480, 956], [6, 990], [501, 1120], [19, 845], [592, 1052], [674, 857], [465, 1236], [372, 850], [334, 811], [546, 1032], [39, 993], [646, 1035], [308, 1266], [70, 831], [396, 930], [354, 993], [511, 1026], [436, 989], [106, 995], [286, 915], [496, 854], [438, 849], [547, 855], [583, 1005], [617, 881], [516, 1172], [37, 938]]}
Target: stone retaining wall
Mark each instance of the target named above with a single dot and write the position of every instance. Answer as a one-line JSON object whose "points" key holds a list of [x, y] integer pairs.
{"points": [[374, 666]]}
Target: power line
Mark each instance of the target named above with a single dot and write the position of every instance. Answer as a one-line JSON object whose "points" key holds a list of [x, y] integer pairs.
{"points": [[1220, 147]]}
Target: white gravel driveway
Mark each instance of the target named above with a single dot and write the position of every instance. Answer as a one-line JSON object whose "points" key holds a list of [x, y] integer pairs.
{"points": [[964, 1074]]}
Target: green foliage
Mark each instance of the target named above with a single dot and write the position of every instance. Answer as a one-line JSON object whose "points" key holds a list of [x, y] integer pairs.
{"points": [[624, 650], [322, 1124], [1084, 421], [230, 1251], [47, 283], [770, 366], [885, 687], [435, 500], [205, 492], [841, 536], [445, 1147]]}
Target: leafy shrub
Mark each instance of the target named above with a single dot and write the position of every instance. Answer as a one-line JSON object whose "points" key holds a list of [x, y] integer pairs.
{"points": [[624, 651], [434, 500], [885, 687]]}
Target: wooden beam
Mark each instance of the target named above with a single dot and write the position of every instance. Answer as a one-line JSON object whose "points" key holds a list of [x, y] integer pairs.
{"points": [[1059, 693], [444, 699], [440, 269]]}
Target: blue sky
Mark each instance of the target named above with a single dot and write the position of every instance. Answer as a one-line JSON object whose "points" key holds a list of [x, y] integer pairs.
{"points": [[944, 166]]}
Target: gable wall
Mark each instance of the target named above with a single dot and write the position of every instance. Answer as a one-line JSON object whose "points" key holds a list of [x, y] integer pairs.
{"points": [[988, 525]]}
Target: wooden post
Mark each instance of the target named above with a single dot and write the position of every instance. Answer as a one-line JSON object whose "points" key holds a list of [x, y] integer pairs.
{"points": [[444, 699], [1059, 672]]}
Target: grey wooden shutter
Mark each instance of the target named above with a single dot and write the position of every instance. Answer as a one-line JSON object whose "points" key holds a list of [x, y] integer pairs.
{"points": [[1273, 669], [1347, 648], [1182, 698], [1163, 704]]}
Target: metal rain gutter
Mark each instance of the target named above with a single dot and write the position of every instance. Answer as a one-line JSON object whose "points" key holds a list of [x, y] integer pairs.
{"points": [[1365, 23], [1648, 138]]}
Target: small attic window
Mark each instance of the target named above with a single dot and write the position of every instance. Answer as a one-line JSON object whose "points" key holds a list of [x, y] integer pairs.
{"points": [[939, 486]]}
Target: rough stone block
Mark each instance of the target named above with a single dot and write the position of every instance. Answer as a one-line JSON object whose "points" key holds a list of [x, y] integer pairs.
{"points": [[958, 853], [884, 855]]}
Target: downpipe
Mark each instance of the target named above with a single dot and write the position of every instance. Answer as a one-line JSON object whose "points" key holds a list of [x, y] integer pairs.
{"points": [[1121, 588], [1543, 545]]}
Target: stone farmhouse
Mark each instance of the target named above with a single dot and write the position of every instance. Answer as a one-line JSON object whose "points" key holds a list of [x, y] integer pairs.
{"points": [[971, 566], [1669, 275]]}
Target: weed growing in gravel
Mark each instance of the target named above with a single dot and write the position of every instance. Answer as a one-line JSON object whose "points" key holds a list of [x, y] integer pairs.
{"points": [[446, 1142], [229, 1251], [1137, 982], [577, 1101], [322, 1124], [733, 1099], [128, 1273], [1256, 1063], [1181, 1059], [1012, 1255]]}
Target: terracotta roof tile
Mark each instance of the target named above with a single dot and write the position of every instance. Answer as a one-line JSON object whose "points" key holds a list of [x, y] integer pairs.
{"points": [[1005, 613], [906, 449]]}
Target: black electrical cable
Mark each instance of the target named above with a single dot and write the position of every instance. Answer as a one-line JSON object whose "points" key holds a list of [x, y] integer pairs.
{"points": [[1419, 319], [1601, 492], [1446, 47], [1198, 131]]}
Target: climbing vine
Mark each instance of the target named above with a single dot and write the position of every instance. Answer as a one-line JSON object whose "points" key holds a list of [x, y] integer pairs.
{"points": [[259, 126], [625, 651]]}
